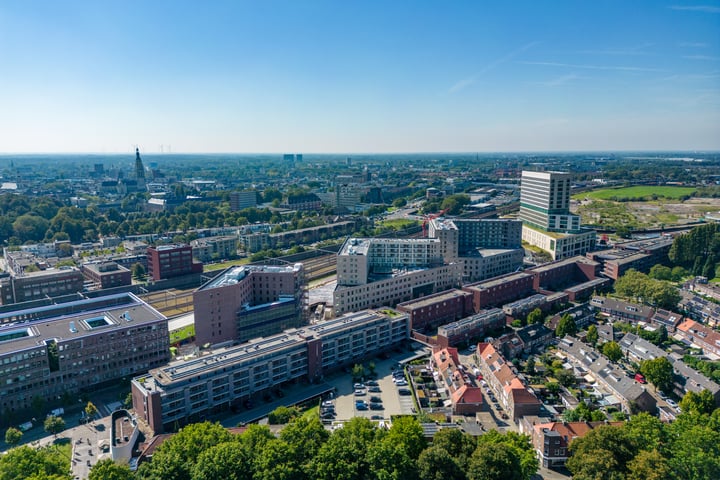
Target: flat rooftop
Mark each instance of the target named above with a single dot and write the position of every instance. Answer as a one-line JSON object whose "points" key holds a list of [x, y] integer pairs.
{"points": [[235, 274], [564, 262], [494, 282], [432, 299], [355, 246], [180, 370], [75, 320]]}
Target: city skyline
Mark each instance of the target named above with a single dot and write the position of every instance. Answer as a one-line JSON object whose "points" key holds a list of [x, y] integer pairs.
{"points": [[323, 77]]}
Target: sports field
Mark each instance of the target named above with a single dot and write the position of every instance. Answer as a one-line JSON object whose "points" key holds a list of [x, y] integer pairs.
{"points": [[638, 192]]}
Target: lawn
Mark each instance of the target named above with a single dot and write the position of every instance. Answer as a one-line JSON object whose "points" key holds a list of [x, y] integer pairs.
{"points": [[639, 192], [208, 267], [181, 334], [399, 223]]}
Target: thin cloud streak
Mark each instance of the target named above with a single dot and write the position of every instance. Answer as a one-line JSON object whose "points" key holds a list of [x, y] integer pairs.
{"points": [[466, 82], [630, 51], [701, 57], [559, 81], [696, 8], [694, 44], [594, 67]]}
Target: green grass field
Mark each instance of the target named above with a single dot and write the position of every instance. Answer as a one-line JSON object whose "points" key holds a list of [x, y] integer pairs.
{"points": [[399, 223], [219, 266], [639, 192], [181, 334]]}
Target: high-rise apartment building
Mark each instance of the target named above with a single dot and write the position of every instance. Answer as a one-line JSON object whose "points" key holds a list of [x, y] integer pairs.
{"points": [[545, 202], [545, 213], [242, 200]]}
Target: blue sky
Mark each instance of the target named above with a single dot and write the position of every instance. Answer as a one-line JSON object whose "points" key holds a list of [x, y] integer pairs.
{"points": [[359, 76]]}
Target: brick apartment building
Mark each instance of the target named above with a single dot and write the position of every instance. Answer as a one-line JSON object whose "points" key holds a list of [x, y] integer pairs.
{"points": [[169, 261], [249, 301], [73, 347]]}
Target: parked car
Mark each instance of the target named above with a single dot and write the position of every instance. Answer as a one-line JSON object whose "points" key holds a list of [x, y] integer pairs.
{"points": [[376, 417], [374, 389], [358, 386], [360, 393], [376, 406], [372, 383], [671, 402], [404, 391], [376, 399], [401, 383], [328, 403], [361, 406]]}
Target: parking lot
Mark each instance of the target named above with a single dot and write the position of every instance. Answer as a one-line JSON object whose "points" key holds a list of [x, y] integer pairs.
{"points": [[368, 392]]}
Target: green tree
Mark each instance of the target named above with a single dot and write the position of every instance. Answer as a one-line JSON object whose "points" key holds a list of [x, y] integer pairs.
{"points": [[495, 461], [535, 316], [282, 415], [645, 431], [107, 469], [343, 457], [709, 267], [565, 377], [612, 351], [694, 449], [90, 410], [408, 433], [698, 403], [54, 424], [553, 387], [138, 271], [660, 272], [305, 436], [659, 372], [25, 463], [530, 366], [592, 335], [649, 465], [13, 436], [520, 446], [435, 463], [678, 273], [227, 461], [275, 462], [601, 454], [388, 461], [30, 228], [358, 371], [176, 457], [566, 326], [457, 443]]}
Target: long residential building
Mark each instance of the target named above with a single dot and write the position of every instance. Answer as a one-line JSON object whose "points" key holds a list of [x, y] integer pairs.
{"points": [[53, 282], [188, 390], [623, 390], [485, 247], [372, 272], [68, 348], [515, 397], [685, 379]]}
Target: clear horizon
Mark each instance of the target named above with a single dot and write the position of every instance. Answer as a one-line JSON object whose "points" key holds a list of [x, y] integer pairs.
{"points": [[242, 77]]}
